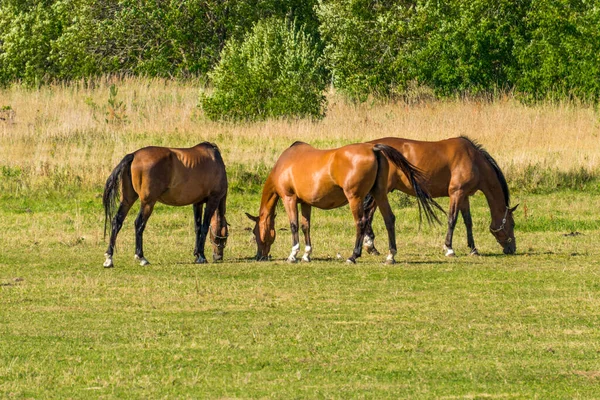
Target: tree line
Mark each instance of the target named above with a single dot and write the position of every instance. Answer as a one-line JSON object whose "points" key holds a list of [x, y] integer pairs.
{"points": [[533, 48]]}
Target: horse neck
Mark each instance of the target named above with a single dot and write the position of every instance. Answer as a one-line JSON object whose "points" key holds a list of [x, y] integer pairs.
{"points": [[492, 190], [219, 217], [268, 200]]}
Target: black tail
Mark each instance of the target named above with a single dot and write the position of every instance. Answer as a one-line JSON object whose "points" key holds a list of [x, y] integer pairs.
{"points": [[112, 189], [417, 180]]}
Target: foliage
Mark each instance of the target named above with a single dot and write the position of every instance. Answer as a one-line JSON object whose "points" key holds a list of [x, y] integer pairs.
{"points": [[274, 72], [536, 48], [365, 45], [560, 53], [68, 39]]}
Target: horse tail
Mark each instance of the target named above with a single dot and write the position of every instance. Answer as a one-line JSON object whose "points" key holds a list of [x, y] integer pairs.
{"points": [[417, 179], [112, 189]]}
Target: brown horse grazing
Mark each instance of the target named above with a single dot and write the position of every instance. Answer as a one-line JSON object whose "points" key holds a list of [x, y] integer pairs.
{"points": [[329, 179], [177, 177], [457, 168]]}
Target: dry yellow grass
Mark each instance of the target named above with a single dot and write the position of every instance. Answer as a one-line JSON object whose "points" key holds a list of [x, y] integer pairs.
{"points": [[61, 133]]}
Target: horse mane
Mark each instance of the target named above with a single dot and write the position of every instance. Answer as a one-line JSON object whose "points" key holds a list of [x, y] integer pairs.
{"points": [[214, 147], [297, 142], [494, 166]]}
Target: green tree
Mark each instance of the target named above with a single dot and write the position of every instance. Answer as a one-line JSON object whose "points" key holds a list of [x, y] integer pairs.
{"points": [[274, 72]]}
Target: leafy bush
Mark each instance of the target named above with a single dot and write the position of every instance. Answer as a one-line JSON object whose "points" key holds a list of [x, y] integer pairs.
{"points": [[559, 54], [274, 72], [536, 48], [366, 43], [43, 40]]}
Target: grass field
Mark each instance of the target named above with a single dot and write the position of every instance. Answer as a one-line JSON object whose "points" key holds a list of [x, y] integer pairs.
{"points": [[428, 327]]}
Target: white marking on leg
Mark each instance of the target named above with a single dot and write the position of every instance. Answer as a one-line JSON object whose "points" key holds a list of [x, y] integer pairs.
{"points": [[449, 251], [142, 260], [367, 242], [108, 263], [307, 253], [295, 251], [390, 257]]}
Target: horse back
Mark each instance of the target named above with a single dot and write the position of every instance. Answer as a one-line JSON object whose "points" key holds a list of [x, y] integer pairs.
{"points": [[447, 164], [178, 176], [322, 177]]}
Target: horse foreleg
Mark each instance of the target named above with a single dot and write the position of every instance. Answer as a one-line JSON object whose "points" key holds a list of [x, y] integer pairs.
{"points": [[117, 223], [291, 207], [360, 221], [140, 225], [305, 224], [466, 214], [211, 207]]}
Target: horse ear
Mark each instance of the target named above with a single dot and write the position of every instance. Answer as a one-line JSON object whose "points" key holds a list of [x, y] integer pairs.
{"points": [[514, 208], [255, 219]]}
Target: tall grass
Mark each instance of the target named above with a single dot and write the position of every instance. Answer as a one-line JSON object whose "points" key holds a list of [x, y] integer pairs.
{"points": [[71, 136]]}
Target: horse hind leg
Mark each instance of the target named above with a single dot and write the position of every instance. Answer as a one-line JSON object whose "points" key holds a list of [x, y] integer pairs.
{"points": [[198, 230], [390, 220], [455, 199], [117, 224], [360, 221], [369, 241], [140, 225]]}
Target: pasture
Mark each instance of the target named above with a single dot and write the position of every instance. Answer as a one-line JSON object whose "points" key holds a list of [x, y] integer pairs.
{"points": [[492, 326]]}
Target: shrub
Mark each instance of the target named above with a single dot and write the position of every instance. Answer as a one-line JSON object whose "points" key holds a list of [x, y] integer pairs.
{"points": [[274, 72]]}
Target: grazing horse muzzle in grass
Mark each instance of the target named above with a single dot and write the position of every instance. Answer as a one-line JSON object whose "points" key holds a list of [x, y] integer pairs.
{"points": [[456, 168], [329, 179], [177, 177]]}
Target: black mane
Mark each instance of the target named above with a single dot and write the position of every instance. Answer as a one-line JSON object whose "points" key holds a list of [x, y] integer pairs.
{"points": [[495, 167], [297, 142]]}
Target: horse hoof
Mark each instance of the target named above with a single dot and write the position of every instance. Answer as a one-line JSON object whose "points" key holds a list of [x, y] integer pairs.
{"points": [[350, 261], [108, 263], [449, 251], [201, 260], [142, 260], [292, 260], [305, 259], [373, 251], [389, 261], [474, 253]]}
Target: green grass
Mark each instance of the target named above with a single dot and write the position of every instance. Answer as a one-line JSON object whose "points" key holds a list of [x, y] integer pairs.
{"points": [[428, 327]]}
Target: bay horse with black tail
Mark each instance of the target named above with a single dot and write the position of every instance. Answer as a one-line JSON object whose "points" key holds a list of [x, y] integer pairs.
{"points": [[329, 179], [455, 168], [177, 177]]}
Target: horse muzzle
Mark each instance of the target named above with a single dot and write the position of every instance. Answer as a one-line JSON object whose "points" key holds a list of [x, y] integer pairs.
{"points": [[511, 248]]}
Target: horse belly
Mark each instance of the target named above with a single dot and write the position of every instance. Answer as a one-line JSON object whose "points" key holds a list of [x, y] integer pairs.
{"points": [[179, 197], [333, 198]]}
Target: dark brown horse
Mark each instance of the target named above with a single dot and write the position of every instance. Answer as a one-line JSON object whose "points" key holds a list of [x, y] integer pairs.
{"points": [[329, 179], [177, 177], [455, 168]]}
